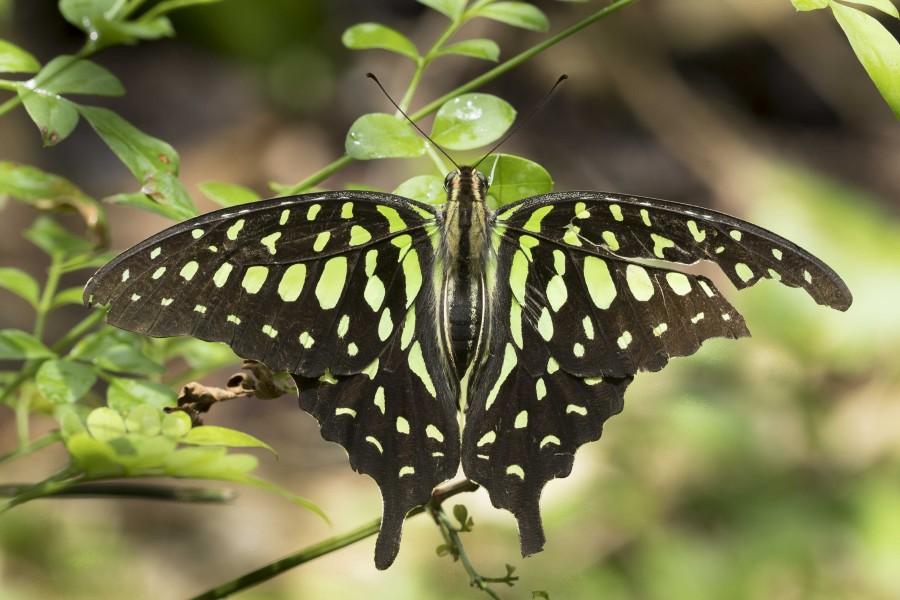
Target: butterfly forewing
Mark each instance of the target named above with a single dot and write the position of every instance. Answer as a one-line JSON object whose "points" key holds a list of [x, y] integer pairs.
{"points": [[647, 228], [305, 284]]}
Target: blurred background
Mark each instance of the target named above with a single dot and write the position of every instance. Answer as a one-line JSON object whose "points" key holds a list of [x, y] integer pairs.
{"points": [[763, 468]]}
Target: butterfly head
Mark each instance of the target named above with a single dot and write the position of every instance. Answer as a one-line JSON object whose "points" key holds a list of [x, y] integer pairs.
{"points": [[466, 182]]}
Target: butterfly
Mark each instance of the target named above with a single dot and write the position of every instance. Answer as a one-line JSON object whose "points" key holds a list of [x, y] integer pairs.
{"points": [[394, 316]]}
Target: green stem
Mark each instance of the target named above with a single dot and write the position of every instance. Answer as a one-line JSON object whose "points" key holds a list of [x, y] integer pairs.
{"points": [[520, 58], [500, 69], [52, 485], [130, 490], [475, 579], [33, 446], [46, 301], [6, 84], [95, 317], [322, 548]]}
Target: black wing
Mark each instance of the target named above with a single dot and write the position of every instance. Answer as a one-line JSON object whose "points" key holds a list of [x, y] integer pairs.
{"points": [[574, 319], [335, 288]]}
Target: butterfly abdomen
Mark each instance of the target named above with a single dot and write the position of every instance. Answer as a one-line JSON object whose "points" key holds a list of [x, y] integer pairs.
{"points": [[462, 305]]}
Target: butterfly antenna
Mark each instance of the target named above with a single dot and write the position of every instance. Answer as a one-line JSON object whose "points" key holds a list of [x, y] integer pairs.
{"points": [[533, 112], [411, 122]]}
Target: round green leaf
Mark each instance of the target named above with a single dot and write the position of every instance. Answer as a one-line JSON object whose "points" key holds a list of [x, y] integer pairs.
{"points": [[517, 14], [484, 49], [212, 435], [471, 121], [70, 423], [145, 420], [19, 283], [105, 424], [18, 345], [94, 456], [54, 116], [378, 135], [189, 462], [176, 424], [126, 394], [15, 60], [424, 188], [513, 178], [373, 35], [227, 194], [64, 382]]}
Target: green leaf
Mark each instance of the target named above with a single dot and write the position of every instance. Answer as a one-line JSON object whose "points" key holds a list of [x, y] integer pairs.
{"points": [[513, 178], [478, 48], [271, 487], [19, 345], [63, 381], [123, 358], [95, 457], [424, 188], [143, 202], [373, 35], [20, 283], [176, 424], [70, 423], [104, 22], [517, 14], [71, 75], [803, 5], [68, 296], [451, 8], [16, 60], [127, 394], [227, 194], [882, 5], [105, 424], [54, 116], [876, 49], [211, 435], [471, 121], [46, 191], [55, 240], [144, 420], [378, 135], [170, 5], [153, 162], [204, 356]]}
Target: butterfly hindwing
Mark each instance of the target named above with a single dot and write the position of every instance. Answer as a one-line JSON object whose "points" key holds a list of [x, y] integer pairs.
{"points": [[397, 421], [523, 427], [303, 284]]}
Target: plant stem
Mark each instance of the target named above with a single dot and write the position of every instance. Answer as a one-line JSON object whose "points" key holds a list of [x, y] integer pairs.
{"points": [[130, 490], [500, 69], [31, 447], [475, 580], [322, 548], [46, 301]]}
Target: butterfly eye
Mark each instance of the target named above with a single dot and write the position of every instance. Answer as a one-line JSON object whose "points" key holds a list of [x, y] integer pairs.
{"points": [[448, 180], [483, 179]]}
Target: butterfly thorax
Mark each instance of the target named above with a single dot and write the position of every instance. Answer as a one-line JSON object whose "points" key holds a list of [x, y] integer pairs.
{"points": [[462, 305]]}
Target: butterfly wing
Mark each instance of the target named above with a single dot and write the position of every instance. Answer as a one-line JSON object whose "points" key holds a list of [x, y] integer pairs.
{"points": [[574, 318], [334, 288]]}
